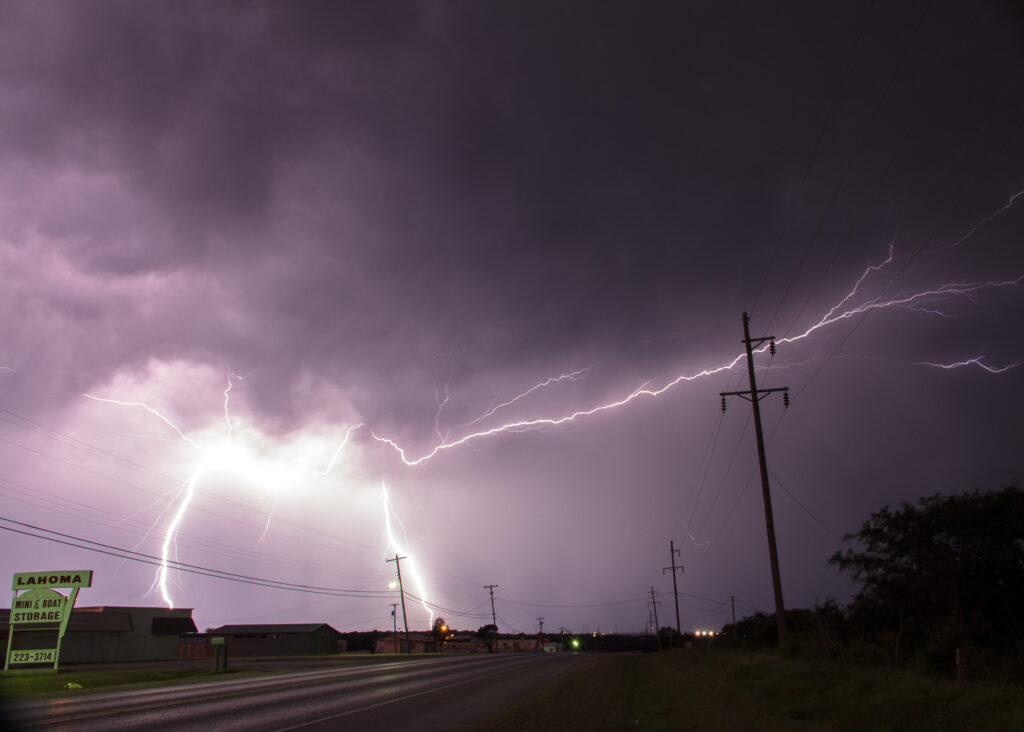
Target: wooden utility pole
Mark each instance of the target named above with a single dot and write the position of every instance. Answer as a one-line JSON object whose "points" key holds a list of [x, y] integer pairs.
{"points": [[394, 624], [494, 619], [753, 395], [654, 603], [401, 589], [672, 552]]}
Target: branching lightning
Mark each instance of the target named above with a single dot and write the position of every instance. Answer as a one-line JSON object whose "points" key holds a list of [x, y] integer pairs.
{"points": [[571, 376], [854, 303]]}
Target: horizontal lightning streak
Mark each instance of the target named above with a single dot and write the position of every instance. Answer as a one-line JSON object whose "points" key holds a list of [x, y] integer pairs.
{"points": [[152, 411], [830, 318], [571, 376], [922, 301]]}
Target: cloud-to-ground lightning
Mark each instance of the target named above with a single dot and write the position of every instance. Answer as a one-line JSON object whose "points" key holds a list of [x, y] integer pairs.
{"points": [[394, 545], [224, 454], [853, 303]]}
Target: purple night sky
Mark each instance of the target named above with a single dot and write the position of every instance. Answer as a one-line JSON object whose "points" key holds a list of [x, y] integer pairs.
{"points": [[458, 231]]}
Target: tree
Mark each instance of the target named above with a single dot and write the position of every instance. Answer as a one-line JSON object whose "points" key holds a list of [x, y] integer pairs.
{"points": [[670, 637], [488, 633], [945, 573], [440, 631]]}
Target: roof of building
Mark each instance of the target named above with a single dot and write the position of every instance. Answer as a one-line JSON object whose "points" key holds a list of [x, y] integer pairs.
{"points": [[113, 619], [173, 626], [261, 629]]}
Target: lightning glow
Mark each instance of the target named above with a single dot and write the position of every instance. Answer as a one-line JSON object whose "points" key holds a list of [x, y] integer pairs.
{"points": [[232, 455]]}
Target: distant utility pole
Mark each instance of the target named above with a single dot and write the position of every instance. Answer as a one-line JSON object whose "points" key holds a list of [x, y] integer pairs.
{"points": [[540, 635], [672, 552], [654, 603], [401, 589], [732, 600], [394, 623], [494, 619], [753, 395]]}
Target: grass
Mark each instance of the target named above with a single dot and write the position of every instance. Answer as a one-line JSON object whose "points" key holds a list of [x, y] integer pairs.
{"points": [[27, 683], [741, 690], [30, 683]]}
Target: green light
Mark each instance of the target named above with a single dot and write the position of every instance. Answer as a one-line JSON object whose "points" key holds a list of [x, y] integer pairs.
{"points": [[575, 643]]}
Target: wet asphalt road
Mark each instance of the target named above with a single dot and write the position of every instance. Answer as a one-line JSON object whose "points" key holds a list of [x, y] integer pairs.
{"points": [[434, 694]]}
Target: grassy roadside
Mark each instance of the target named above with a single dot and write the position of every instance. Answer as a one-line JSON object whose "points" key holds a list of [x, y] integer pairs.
{"points": [[736, 690], [27, 683], [32, 683]]}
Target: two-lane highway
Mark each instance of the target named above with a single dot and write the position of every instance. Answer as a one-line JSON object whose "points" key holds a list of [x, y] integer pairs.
{"points": [[432, 693]]}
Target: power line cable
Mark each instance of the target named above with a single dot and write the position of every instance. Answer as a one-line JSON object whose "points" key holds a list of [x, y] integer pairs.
{"points": [[175, 565], [813, 155], [804, 508]]}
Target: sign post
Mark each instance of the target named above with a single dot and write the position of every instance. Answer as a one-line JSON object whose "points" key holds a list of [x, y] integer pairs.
{"points": [[217, 644], [40, 607]]}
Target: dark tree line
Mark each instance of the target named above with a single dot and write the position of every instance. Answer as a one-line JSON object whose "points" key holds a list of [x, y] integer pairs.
{"points": [[942, 575], [941, 584]]}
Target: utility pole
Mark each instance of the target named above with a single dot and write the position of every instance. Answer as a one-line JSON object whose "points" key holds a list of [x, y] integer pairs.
{"points": [[494, 618], [540, 634], [672, 552], [654, 603], [401, 589], [732, 599], [394, 623], [753, 395]]}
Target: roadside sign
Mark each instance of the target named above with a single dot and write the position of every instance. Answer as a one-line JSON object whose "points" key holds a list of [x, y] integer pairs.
{"points": [[38, 607]]}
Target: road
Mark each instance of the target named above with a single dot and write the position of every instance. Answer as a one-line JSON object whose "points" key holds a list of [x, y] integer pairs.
{"points": [[424, 694]]}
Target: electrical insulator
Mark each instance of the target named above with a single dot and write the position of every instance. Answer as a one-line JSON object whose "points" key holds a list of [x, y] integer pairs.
{"points": [[785, 398], [723, 404], [771, 347]]}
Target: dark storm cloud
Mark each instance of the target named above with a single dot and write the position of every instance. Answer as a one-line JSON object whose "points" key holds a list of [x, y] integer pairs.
{"points": [[548, 172], [365, 206]]}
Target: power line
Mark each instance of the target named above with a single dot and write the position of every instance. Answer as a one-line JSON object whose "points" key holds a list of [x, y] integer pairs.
{"points": [[813, 156], [80, 510], [804, 508], [72, 442], [602, 604], [131, 555]]}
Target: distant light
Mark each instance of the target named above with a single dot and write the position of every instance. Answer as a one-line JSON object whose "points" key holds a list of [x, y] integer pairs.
{"points": [[575, 642], [392, 584]]}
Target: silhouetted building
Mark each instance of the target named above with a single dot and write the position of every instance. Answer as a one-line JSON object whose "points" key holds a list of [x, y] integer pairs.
{"points": [[276, 640], [110, 634]]}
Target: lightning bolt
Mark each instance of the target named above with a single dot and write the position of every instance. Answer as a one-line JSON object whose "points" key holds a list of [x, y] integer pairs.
{"points": [[571, 376], [645, 391], [410, 562], [854, 303], [224, 455], [978, 361], [152, 411], [998, 212]]}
